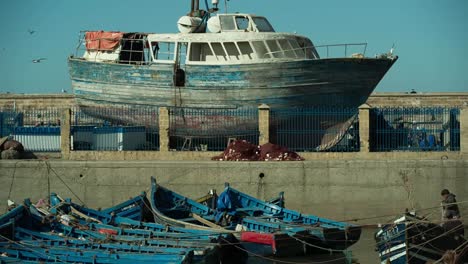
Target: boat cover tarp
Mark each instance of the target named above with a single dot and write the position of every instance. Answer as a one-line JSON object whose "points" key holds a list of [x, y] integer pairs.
{"points": [[223, 204], [102, 40], [241, 150]]}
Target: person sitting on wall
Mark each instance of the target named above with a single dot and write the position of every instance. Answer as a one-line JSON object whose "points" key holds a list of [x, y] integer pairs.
{"points": [[450, 213]]}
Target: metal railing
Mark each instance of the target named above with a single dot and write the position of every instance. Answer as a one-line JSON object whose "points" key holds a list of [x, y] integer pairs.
{"points": [[312, 129], [311, 52], [192, 129], [345, 46], [115, 129], [415, 129], [129, 51]]}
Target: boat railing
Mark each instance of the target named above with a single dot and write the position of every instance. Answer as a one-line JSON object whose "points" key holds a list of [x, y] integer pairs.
{"points": [[346, 48], [311, 52], [129, 51]]}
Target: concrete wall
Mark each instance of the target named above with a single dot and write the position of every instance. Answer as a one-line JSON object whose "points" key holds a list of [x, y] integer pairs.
{"points": [[344, 189], [31, 101]]}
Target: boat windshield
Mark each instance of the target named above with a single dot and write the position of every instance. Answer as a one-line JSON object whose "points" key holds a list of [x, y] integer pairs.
{"points": [[262, 24]]}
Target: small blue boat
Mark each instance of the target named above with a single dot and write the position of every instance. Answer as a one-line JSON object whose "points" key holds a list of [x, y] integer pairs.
{"points": [[28, 224], [22, 244], [326, 233], [414, 240], [309, 235], [20, 251]]}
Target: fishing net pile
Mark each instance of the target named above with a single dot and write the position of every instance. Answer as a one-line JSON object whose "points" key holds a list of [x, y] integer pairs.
{"points": [[242, 150], [10, 149]]}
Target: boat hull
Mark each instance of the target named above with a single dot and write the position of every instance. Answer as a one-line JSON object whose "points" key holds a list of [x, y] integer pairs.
{"points": [[416, 242], [341, 82], [344, 81]]}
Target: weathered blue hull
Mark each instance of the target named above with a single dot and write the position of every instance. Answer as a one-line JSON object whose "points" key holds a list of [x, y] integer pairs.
{"points": [[413, 240], [25, 226], [344, 81], [324, 233]]}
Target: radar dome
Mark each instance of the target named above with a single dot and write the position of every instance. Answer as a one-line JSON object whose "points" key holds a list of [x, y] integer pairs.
{"points": [[187, 24]]}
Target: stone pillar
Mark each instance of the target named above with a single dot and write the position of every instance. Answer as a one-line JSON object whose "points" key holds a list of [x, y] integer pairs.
{"points": [[65, 129], [264, 123], [163, 129], [364, 127], [464, 130]]}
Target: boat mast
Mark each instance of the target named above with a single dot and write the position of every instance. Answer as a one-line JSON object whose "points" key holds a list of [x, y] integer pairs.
{"points": [[195, 10]]}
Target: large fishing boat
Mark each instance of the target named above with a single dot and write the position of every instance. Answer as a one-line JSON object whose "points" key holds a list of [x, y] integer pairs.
{"points": [[221, 60]]}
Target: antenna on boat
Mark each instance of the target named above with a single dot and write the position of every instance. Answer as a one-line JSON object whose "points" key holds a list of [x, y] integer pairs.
{"points": [[215, 4], [226, 6]]}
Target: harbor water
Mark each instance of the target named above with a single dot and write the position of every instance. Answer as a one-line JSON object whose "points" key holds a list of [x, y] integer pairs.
{"points": [[363, 252]]}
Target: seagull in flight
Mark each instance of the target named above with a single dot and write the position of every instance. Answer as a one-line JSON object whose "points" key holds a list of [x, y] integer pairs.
{"points": [[31, 31], [38, 60]]}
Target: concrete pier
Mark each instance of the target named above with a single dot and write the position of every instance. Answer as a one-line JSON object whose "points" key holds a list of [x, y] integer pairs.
{"points": [[339, 189]]}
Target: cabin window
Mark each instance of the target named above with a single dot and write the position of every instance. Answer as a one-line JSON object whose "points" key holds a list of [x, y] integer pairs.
{"points": [[261, 49], [274, 49], [242, 23], [182, 56], [308, 48], [263, 25], [219, 51], [297, 49], [232, 51], [287, 48], [132, 49], [227, 22], [163, 50], [201, 52], [245, 50]]}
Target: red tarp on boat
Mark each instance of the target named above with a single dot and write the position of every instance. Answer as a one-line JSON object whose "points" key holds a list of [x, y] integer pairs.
{"points": [[103, 41]]}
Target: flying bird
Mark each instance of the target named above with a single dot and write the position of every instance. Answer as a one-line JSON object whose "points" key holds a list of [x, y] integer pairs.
{"points": [[38, 60], [31, 31]]}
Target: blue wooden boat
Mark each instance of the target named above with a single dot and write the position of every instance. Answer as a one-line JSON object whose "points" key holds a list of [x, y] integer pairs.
{"points": [[414, 240], [325, 232], [304, 238], [24, 244], [135, 207], [25, 251], [239, 62], [227, 246], [200, 248]]}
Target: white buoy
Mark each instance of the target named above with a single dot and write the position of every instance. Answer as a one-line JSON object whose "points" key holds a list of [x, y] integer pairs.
{"points": [[187, 24], [214, 24]]}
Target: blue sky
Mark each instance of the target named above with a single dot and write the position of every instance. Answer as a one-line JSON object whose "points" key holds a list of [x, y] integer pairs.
{"points": [[431, 36]]}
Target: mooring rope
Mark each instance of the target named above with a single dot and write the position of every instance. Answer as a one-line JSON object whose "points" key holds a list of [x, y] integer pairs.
{"points": [[64, 183]]}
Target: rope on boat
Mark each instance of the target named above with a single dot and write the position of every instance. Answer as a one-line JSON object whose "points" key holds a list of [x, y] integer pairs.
{"points": [[414, 226], [319, 247], [435, 238], [398, 214], [49, 167], [12, 182], [282, 261]]}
